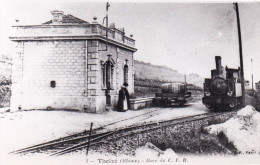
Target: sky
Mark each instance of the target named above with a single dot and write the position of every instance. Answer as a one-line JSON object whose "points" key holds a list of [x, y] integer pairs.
{"points": [[182, 36]]}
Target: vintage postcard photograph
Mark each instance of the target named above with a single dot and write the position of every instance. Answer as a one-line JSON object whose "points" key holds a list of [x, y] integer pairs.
{"points": [[117, 83]]}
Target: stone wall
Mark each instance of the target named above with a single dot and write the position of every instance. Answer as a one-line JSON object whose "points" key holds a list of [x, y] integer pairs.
{"points": [[71, 53], [96, 56], [75, 66], [93, 102], [37, 63], [119, 57]]}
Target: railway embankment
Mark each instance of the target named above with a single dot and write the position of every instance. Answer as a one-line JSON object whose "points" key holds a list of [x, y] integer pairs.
{"points": [[184, 137], [221, 133]]}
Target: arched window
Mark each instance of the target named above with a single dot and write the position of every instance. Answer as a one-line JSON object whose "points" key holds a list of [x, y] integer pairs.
{"points": [[107, 74], [126, 73]]}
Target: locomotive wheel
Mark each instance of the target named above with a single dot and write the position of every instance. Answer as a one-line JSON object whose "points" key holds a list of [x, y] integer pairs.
{"points": [[209, 106], [232, 105]]}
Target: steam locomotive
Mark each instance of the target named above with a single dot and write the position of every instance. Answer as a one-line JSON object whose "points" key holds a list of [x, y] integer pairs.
{"points": [[224, 90]]}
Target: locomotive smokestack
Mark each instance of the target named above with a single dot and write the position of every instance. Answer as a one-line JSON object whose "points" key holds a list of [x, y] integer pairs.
{"points": [[218, 63]]}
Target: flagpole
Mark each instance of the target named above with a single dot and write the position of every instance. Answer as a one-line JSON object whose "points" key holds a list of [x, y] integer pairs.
{"points": [[107, 6]]}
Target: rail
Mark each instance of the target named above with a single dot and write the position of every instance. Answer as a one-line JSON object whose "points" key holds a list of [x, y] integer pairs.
{"points": [[78, 141]]}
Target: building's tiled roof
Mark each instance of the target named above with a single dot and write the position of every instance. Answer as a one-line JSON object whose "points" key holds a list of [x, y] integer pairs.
{"points": [[69, 19]]}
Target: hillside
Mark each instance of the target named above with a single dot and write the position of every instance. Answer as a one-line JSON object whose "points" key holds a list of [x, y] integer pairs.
{"points": [[155, 72]]}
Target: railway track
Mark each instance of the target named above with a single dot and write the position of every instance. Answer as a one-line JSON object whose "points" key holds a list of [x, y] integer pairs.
{"points": [[80, 141], [81, 136]]}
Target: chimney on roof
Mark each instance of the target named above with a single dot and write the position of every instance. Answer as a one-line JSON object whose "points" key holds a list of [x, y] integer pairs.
{"points": [[57, 16], [112, 25]]}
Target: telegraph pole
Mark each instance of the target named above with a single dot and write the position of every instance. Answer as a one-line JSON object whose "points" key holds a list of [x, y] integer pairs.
{"points": [[240, 54]]}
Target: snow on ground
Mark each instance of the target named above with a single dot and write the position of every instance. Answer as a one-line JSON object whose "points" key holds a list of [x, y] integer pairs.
{"points": [[151, 151], [243, 130], [25, 128]]}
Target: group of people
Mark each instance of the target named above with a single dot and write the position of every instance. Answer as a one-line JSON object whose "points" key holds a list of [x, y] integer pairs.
{"points": [[123, 99]]}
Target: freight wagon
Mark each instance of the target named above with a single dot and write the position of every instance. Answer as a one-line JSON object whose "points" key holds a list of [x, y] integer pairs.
{"points": [[172, 94]]}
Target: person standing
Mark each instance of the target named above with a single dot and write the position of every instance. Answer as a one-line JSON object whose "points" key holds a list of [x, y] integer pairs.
{"points": [[122, 102], [127, 95]]}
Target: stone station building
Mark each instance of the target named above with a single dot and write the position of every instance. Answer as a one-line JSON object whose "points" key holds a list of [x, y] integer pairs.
{"points": [[68, 63]]}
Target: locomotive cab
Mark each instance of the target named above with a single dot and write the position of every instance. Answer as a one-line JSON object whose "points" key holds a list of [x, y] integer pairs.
{"points": [[223, 90]]}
